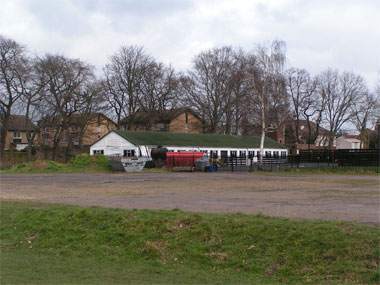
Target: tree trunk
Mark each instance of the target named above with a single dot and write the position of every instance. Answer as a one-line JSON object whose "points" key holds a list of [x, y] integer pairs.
{"points": [[297, 129], [262, 140], [309, 133], [331, 141], [3, 134]]}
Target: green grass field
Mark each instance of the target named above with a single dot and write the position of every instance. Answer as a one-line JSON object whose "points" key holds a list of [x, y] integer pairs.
{"points": [[53, 244]]}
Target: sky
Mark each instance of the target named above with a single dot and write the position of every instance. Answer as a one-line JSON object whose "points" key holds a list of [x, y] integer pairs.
{"points": [[341, 34]]}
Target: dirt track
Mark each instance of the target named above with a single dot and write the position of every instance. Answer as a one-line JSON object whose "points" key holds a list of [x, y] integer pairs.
{"points": [[330, 197]]}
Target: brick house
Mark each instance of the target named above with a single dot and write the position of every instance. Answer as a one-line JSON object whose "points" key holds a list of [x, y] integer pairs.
{"points": [[16, 136], [181, 120], [83, 132]]}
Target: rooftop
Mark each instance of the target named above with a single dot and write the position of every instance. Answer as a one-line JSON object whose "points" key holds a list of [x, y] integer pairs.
{"points": [[20, 123], [201, 140], [142, 117]]}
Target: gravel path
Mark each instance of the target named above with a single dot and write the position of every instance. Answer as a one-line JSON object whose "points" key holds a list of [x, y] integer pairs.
{"points": [[327, 197]]}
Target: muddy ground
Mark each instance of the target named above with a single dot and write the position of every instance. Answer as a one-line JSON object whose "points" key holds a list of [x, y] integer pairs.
{"points": [[327, 197]]}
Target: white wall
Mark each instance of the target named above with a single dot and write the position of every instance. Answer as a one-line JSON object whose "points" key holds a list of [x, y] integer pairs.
{"points": [[347, 143], [113, 144]]}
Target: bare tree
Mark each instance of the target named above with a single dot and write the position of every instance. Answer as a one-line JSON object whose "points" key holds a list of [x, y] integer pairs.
{"points": [[341, 91], [313, 109], [124, 75], [208, 86], [12, 68], [91, 102], [236, 109], [306, 101], [158, 91], [267, 84], [299, 90], [31, 85], [362, 113], [62, 95]]}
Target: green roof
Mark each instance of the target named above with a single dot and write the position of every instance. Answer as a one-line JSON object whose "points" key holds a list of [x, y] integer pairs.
{"points": [[200, 140]]}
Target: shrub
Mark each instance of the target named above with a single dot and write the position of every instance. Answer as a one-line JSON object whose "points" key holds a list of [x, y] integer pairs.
{"points": [[101, 161], [88, 161], [81, 161]]}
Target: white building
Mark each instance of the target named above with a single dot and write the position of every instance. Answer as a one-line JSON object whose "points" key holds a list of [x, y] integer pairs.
{"points": [[348, 142], [130, 143]]}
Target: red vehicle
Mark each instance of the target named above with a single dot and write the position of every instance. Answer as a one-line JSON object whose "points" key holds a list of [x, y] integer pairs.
{"points": [[182, 158]]}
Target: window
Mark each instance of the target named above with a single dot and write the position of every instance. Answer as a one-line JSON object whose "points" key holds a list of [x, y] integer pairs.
{"points": [[242, 153], [16, 135], [129, 152], [214, 154], [233, 153], [268, 154], [161, 127], [223, 153], [283, 154], [186, 117], [251, 154], [276, 154], [98, 151]]}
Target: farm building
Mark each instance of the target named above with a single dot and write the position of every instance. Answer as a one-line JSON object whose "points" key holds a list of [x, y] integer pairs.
{"points": [[128, 144]]}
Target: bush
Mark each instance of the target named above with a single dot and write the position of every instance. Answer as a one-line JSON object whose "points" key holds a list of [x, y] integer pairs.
{"points": [[81, 161], [101, 161]]}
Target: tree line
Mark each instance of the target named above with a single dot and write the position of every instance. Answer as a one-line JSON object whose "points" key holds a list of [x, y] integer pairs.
{"points": [[234, 91]]}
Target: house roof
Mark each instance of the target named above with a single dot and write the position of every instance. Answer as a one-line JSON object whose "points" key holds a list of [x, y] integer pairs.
{"points": [[142, 117], [20, 123], [75, 119], [200, 140]]}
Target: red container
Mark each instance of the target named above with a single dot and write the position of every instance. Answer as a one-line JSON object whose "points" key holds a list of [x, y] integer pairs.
{"points": [[182, 159]]}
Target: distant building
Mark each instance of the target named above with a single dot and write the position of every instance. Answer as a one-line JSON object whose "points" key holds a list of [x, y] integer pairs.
{"points": [[16, 136], [348, 142], [82, 132], [181, 120]]}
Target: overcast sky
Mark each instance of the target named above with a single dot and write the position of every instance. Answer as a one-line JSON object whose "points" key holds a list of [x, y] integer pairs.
{"points": [[343, 34]]}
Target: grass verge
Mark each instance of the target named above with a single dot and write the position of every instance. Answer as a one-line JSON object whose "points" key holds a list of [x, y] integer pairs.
{"points": [[45, 244], [80, 163]]}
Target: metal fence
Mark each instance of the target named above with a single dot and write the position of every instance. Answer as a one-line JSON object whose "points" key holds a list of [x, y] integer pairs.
{"points": [[305, 159], [340, 157], [243, 163]]}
